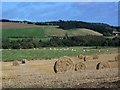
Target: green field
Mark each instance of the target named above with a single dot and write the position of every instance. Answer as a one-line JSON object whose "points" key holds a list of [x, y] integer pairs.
{"points": [[45, 32], [44, 39], [23, 32], [49, 53]]}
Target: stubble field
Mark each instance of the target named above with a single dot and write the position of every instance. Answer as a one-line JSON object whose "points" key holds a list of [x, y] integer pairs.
{"points": [[40, 74]]}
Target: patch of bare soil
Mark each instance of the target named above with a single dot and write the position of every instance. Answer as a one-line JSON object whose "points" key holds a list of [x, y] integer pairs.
{"points": [[114, 84], [40, 74]]}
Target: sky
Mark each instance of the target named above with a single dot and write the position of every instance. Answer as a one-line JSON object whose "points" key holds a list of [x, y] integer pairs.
{"points": [[101, 12]]}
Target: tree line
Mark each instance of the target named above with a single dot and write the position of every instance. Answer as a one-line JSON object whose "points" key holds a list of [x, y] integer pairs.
{"points": [[105, 29], [60, 42]]}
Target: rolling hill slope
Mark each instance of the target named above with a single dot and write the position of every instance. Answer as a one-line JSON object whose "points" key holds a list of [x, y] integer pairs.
{"points": [[44, 31]]}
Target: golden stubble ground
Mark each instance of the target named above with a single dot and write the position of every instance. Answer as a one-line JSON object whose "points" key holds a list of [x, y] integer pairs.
{"points": [[40, 74]]}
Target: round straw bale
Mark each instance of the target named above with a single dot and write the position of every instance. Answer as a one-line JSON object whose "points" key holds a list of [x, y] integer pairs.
{"points": [[87, 58], [15, 63], [64, 64], [80, 56], [102, 65], [80, 66], [117, 57], [95, 56]]}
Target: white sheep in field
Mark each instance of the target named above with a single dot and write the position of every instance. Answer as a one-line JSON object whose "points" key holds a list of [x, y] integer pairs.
{"points": [[37, 48], [60, 49], [99, 50], [84, 50], [67, 49], [64, 49], [50, 48], [55, 49], [74, 50], [88, 50], [44, 48]]}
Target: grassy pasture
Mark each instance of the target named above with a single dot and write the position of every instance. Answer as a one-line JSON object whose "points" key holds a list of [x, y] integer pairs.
{"points": [[48, 53], [44, 39], [23, 32], [45, 31]]}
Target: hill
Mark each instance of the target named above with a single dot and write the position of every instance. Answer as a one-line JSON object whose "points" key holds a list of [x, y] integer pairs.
{"points": [[72, 32], [102, 28], [17, 35], [23, 30]]}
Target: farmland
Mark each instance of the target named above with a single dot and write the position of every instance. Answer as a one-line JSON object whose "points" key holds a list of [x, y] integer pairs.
{"points": [[39, 64], [10, 25], [45, 32], [49, 53], [40, 74]]}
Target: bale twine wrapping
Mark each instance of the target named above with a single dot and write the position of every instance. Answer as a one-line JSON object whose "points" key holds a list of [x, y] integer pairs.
{"points": [[63, 64], [80, 66], [95, 56], [15, 63], [87, 58], [80, 56], [102, 65]]}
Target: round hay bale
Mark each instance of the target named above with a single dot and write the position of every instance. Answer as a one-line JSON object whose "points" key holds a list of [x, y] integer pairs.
{"points": [[95, 56], [117, 57], [15, 63], [102, 65], [80, 56], [80, 66], [63, 64], [87, 58]]}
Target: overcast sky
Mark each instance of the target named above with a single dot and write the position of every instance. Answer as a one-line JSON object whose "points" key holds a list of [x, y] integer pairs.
{"points": [[103, 12]]}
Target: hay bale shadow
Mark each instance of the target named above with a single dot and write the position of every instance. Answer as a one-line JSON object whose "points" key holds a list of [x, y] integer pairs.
{"points": [[117, 57], [102, 65], [23, 61]]}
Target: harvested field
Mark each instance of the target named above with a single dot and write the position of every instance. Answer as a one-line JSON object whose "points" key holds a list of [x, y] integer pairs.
{"points": [[10, 25], [117, 57], [95, 56], [40, 74]]}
